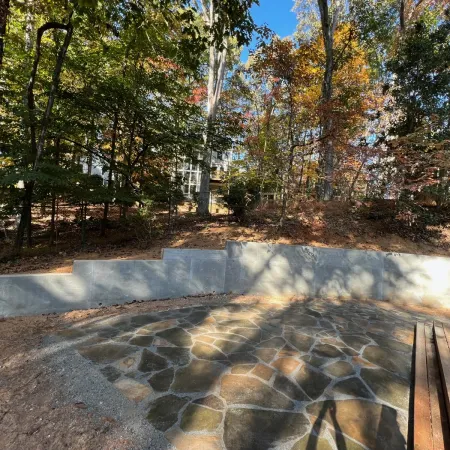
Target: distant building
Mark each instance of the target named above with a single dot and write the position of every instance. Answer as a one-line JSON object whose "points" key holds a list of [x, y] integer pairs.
{"points": [[94, 166], [191, 173]]}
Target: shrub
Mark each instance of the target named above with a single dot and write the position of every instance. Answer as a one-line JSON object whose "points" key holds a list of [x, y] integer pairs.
{"points": [[242, 196], [143, 223]]}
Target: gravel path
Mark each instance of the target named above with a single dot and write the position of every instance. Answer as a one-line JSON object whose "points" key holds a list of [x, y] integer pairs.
{"points": [[83, 385]]}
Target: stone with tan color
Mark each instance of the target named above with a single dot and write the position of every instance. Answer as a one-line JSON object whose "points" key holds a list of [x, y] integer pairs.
{"points": [[238, 390], [263, 372], [157, 326], [199, 418], [132, 389], [373, 425], [339, 369], [198, 376], [206, 351], [285, 365], [265, 354], [242, 369], [182, 441], [256, 429]]}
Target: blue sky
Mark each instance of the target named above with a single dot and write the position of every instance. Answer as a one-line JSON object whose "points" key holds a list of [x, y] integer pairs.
{"points": [[277, 15]]}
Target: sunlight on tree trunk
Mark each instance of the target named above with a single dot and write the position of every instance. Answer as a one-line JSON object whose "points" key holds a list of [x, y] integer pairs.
{"points": [[329, 21], [216, 73]]}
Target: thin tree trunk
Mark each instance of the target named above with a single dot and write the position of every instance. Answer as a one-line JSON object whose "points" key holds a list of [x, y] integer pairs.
{"points": [[266, 136], [355, 179], [29, 26], [53, 213], [89, 159], [24, 216], [52, 221], [83, 224], [402, 15], [29, 227], [286, 182], [110, 174], [300, 182], [329, 23], [37, 147], [4, 13], [53, 90]]}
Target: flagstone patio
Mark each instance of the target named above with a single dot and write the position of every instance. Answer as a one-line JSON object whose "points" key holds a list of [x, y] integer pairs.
{"points": [[313, 375]]}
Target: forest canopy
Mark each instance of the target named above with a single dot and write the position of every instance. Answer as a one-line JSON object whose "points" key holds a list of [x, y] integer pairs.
{"points": [[354, 106]]}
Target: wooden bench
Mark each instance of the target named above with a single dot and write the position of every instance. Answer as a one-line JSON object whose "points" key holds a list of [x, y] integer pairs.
{"points": [[432, 387]]}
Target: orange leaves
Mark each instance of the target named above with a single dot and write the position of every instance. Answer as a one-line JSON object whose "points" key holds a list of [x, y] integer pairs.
{"points": [[162, 64], [198, 96], [276, 60]]}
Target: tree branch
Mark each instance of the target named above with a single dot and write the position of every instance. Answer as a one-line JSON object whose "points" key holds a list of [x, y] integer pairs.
{"points": [[53, 90], [30, 89]]}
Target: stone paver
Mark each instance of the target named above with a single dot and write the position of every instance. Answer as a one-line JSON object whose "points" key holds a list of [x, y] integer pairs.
{"points": [[253, 429], [132, 389], [339, 369], [161, 381], [199, 418], [295, 376], [239, 390]]}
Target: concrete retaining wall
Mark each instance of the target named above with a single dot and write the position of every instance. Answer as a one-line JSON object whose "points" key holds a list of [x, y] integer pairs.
{"points": [[243, 267]]}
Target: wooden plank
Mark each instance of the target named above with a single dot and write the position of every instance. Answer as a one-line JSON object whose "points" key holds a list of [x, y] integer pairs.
{"points": [[439, 422], [443, 352], [422, 414]]}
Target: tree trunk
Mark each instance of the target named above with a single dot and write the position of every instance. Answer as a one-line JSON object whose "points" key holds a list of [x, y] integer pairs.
{"points": [[216, 74], [29, 229], [53, 90], [52, 221], [287, 181], [285, 189], [402, 15], [4, 13], [329, 24], [83, 212], [37, 147], [355, 179], [203, 195], [89, 159], [25, 216], [110, 174], [29, 26], [53, 213], [269, 112]]}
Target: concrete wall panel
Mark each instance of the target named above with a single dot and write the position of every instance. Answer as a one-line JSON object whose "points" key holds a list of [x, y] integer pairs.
{"points": [[416, 279], [341, 273], [243, 267], [41, 293]]}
